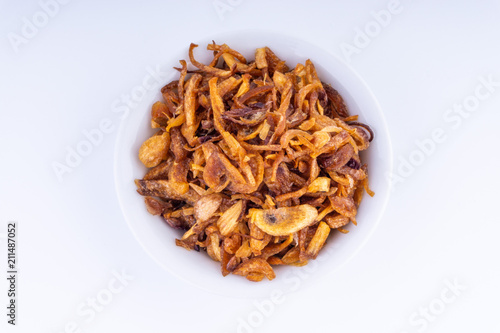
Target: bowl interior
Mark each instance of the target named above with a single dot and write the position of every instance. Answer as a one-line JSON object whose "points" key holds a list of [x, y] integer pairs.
{"points": [[157, 238]]}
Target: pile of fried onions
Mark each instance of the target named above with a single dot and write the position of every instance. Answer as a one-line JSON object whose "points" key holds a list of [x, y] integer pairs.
{"points": [[257, 162]]}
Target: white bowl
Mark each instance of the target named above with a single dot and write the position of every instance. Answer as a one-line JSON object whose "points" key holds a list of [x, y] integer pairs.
{"points": [[157, 237]]}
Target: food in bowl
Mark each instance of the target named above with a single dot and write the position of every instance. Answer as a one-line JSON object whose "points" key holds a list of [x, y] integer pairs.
{"points": [[257, 162]]}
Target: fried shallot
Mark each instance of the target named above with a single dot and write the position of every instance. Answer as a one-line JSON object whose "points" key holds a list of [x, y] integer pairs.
{"points": [[256, 161]]}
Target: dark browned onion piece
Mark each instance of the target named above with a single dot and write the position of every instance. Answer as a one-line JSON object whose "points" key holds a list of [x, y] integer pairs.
{"points": [[365, 127]]}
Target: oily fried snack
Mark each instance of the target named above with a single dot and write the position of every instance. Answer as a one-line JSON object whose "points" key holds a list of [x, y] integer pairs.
{"points": [[255, 161]]}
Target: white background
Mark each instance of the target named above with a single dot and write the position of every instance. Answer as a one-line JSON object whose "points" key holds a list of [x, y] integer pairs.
{"points": [[441, 224]]}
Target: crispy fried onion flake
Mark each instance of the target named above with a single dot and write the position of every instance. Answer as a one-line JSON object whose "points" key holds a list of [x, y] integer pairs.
{"points": [[255, 161]]}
